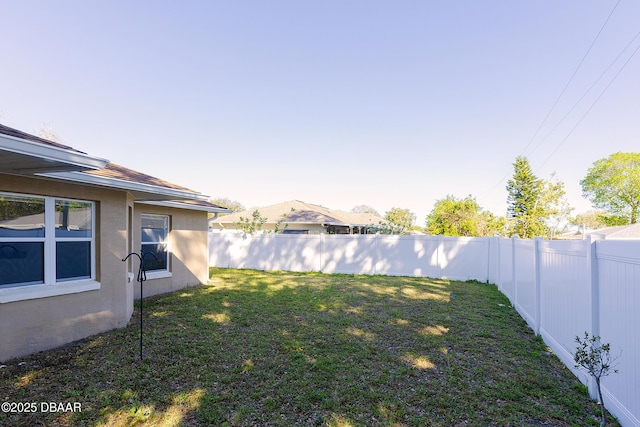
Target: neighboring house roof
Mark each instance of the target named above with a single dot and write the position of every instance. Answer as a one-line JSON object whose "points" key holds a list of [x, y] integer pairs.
{"points": [[631, 231], [296, 211], [29, 155]]}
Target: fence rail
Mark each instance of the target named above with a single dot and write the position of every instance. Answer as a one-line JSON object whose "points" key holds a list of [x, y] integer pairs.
{"points": [[561, 288]]}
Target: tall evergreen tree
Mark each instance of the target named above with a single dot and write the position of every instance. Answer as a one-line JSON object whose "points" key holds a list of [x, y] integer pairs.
{"points": [[524, 201]]}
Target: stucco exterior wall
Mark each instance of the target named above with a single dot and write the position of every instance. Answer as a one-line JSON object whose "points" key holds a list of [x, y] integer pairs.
{"points": [[33, 325], [188, 245]]}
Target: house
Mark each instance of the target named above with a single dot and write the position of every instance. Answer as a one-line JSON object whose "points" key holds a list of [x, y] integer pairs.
{"points": [[297, 217], [67, 220], [630, 231]]}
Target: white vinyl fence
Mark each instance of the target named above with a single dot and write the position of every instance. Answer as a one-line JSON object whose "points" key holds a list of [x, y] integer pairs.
{"points": [[561, 288], [451, 257]]}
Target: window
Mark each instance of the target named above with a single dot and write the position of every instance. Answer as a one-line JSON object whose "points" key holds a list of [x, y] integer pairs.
{"points": [[154, 241], [74, 238], [22, 236], [45, 240]]}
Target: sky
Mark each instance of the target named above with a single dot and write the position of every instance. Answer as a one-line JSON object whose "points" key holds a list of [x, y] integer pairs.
{"points": [[337, 103]]}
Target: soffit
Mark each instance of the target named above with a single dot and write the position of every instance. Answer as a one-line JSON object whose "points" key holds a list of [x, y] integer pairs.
{"points": [[22, 157]]}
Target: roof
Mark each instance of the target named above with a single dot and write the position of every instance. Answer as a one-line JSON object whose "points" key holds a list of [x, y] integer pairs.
{"points": [[115, 171], [6, 130], [24, 154], [30, 155], [296, 211], [631, 231]]}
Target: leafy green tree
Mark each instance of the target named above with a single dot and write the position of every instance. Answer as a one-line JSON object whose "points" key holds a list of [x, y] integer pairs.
{"points": [[384, 227], [614, 220], [555, 209], [590, 219], [225, 202], [461, 217], [255, 223], [595, 219], [613, 184], [401, 218]]}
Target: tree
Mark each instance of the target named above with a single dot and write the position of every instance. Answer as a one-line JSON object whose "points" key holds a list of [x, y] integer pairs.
{"points": [[524, 194], [401, 218], [365, 209], [250, 226], [48, 133], [596, 358], [613, 184], [536, 207], [233, 205], [595, 219], [555, 208], [461, 217]]}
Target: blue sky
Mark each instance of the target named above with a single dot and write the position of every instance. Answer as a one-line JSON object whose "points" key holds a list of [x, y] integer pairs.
{"points": [[339, 103]]}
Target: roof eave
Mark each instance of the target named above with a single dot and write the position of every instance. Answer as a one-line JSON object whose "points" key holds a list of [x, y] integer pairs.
{"points": [[140, 191], [44, 158], [176, 204]]}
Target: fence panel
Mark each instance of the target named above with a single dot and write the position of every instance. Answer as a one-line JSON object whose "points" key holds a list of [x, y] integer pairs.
{"points": [[349, 254], [618, 267], [296, 252], [494, 261], [407, 256], [219, 249], [464, 258], [525, 280], [505, 261], [565, 295]]}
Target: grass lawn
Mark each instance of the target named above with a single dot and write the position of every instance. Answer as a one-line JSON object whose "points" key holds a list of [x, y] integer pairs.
{"points": [[288, 349]]}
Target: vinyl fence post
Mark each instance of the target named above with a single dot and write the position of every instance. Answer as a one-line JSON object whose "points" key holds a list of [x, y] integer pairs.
{"points": [[377, 256], [513, 270], [592, 263], [595, 288], [499, 263], [536, 247], [489, 246], [439, 256], [322, 257]]}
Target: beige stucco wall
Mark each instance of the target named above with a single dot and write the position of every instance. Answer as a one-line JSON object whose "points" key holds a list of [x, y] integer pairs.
{"points": [[188, 245], [33, 325]]}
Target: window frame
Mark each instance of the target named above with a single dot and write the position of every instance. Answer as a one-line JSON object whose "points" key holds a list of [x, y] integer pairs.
{"points": [[50, 285], [63, 239], [158, 273]]}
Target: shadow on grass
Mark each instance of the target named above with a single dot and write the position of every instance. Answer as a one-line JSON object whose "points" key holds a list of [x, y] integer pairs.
{"points": [[256, 348]]}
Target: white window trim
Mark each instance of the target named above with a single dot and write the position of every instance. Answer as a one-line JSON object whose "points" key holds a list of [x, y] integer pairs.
{"points": [[159, 274], [51, 287], [56, 239], [27, 292]]}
